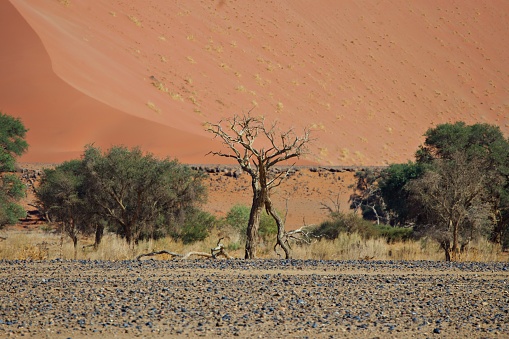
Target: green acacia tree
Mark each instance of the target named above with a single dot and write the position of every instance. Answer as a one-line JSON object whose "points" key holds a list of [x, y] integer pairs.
{"points": [[458, 186], [12, 144], [62, 194], [392, 183], [139, 195], [485, 145]]}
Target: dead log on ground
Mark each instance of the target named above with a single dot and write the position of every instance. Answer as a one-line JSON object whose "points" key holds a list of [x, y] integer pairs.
{"points": [[214, 253]]}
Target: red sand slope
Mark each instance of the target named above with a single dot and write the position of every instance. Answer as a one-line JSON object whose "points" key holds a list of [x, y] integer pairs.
{"points": [[368, 77]]}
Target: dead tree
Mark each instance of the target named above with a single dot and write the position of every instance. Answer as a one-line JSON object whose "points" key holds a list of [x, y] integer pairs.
{"points": [[239, 136]]}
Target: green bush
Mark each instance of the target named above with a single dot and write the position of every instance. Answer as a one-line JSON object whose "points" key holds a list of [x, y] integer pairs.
{"points": [[197, 227], [394, 234], [238, 218], [351, 223]]}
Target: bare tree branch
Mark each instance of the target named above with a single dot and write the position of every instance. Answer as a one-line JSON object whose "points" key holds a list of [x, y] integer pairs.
{"points": [[240, 138]]}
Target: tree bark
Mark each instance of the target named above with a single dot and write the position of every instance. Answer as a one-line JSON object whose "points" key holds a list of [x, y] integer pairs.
{"points": [[99, 230], [455, 240], [254, 222], [447, 249], [75, 243], [280, 228]]}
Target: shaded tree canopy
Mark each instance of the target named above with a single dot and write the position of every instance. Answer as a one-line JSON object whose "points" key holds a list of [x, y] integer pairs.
{"points": [[62, 195]]}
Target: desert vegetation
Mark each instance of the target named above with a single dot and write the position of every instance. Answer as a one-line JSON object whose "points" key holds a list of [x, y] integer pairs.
{"points": [[136, 195], [452, 199], [12, 144], [455, 192]]}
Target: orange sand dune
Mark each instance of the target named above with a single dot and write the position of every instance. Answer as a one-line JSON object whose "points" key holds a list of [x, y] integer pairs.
{"points": [[368, 77]]}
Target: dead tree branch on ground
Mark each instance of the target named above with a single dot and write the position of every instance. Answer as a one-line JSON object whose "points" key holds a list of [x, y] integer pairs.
{"points": [[214, 253]]}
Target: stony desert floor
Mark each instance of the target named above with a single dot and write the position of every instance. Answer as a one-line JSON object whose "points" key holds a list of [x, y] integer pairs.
{"points": [[257, 299]]}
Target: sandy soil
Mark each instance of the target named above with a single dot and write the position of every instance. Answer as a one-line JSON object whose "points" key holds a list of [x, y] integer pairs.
{"points": [[255, 299], [369, 78], [303, 194]]}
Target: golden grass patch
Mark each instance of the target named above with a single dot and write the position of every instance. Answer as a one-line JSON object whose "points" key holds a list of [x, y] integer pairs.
{"points": [[135, 20], [153, 107]]}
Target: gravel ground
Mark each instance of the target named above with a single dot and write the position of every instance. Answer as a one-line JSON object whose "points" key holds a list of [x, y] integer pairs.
{"points": [[259, 299]]}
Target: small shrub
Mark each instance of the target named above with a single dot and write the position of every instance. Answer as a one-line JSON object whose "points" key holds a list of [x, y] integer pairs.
{"points": [[351, 223], [238, 218], [197, 227], [394, 234], [345, 223]]}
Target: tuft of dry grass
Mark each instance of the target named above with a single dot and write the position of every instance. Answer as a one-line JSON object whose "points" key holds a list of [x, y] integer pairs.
{"points": [[135, 20], [153, 107]]}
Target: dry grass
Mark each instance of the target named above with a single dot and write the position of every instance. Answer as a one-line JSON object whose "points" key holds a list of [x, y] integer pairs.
{"points": [[38, 245], [153, 107], [135, 20], [66, 3]]}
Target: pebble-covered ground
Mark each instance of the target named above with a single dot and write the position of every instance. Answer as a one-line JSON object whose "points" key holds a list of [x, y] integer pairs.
{"points": [[259, 299]]}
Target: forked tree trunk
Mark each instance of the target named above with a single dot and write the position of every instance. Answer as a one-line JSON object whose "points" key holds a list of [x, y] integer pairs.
{"points": [[280, 228], [446, 246]]}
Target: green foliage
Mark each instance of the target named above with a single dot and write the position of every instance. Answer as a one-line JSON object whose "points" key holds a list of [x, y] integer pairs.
{"points": [[480, 141], [12, 141], [344, 223], [351, 223], [139, 195], [238, 218], [197, 227], [62, 195], [392, 184], [10, 213], [458, 186], [394, 234], [135, 194], [12, 144]]}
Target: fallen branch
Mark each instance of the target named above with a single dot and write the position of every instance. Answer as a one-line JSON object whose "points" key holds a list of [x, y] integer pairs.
{"points": [[300, 235], [214, 253]]}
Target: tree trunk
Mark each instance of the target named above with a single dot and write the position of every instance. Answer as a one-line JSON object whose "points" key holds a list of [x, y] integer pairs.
{"points": [[99, 230], [455, 240], [254, 222], [280, 227], [75, 243], [447, 249], [128, 235]]}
